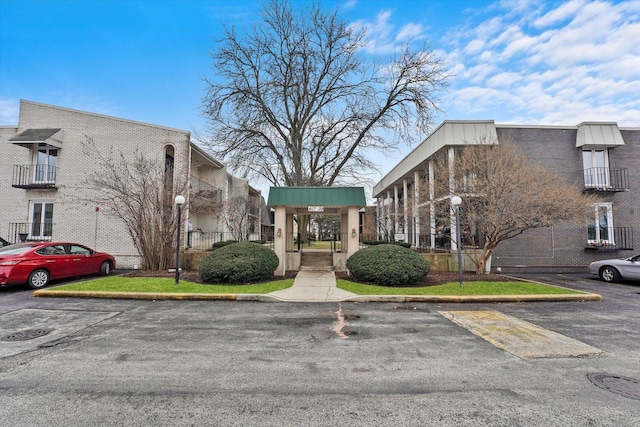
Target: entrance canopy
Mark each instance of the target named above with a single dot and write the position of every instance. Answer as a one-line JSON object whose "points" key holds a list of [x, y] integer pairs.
{"points": [[317, 200]]}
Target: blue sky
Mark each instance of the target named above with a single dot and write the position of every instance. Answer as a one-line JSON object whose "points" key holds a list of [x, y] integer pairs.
{"points": [[514, 61]]}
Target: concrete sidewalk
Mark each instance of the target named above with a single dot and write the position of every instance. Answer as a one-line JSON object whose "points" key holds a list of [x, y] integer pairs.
{"points": [[313, 286]]}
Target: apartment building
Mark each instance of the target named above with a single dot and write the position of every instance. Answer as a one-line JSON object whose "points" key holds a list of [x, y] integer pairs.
{"points": [[49, 156], [603, 157]]}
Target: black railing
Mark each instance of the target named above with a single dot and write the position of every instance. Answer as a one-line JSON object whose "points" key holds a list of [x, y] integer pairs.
{"points": [[205, 240], [30, 232], [34, 176], [609, 238], [606, 179]]}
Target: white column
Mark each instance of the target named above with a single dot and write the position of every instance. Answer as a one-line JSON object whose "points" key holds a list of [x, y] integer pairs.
{"points": [[280, 239], [396, 207], [432, 205], [452, 216], [379, 215], [405, 201], [416, 209], [352, 230], [388, 221]]}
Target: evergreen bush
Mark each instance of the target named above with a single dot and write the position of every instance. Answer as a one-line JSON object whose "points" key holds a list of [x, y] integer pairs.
{"points": [[218, 245], [384, 242], [388, 265], [238, 263]]}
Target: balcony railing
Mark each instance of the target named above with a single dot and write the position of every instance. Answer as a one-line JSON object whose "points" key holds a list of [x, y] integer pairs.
{"points": [[34, 176], [30, 232], [610, 238], [606, 180]]}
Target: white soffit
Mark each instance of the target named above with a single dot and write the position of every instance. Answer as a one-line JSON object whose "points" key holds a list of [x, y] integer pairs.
{"points": [[598, 135], [450, 132]]}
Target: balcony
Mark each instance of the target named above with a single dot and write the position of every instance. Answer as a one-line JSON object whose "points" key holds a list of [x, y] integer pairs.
{"points": [[30, 232], [606, 180], [609, 239], [34, 176]]}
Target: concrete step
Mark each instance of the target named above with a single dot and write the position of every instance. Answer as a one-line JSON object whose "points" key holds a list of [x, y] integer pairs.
{"points": [[316, 259], [316, 268]]}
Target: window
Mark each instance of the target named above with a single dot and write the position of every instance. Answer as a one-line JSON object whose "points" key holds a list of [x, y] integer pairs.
{"points": [[41, 220], [169, 166], [600, 229], [595, 164], [46, 161]]}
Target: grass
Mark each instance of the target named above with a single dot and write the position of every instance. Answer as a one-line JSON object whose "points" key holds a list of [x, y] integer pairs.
{"points": [[470, 288], [167, 285]]}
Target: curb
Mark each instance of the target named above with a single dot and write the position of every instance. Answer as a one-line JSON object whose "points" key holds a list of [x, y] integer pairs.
{"points": [[359, 298]]}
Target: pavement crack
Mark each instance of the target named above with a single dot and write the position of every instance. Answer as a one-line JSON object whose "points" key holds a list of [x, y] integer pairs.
{"points": [[340, 323]]}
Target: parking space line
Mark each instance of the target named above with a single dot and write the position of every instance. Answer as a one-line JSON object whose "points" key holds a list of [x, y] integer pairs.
{"points": [[520, 338]]}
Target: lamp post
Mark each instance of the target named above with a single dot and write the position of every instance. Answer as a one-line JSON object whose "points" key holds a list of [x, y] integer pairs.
{"points": [[179, 200], [456, 201]]}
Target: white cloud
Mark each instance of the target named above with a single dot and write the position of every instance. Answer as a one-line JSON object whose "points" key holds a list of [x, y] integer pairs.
{"points": [[382, 35], [9, 111], [409, 32], [549, 64], [559, 14]]}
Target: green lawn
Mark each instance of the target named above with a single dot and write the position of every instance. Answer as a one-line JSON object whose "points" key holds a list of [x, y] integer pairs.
{"points": [[470, 288], [166, 285]]}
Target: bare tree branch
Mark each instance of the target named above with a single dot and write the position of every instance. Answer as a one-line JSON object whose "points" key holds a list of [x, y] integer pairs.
{"points": [[295, 102]]}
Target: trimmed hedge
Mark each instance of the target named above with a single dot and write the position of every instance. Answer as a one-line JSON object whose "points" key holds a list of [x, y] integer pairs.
{"points": [[238, 263], [383, 242], [218, 245], [388, 265]]}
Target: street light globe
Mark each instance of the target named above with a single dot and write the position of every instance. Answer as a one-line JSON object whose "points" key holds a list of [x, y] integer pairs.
{"points": [[179, 199], [456, 200]]}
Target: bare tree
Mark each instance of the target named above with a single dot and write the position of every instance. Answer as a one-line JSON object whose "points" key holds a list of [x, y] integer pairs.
{"points": [[504, 194], [295, 101], [238, 214], [139, 191]]}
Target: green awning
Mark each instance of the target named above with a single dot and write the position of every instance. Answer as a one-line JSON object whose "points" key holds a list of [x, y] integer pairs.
{"points": [[317, 196]]}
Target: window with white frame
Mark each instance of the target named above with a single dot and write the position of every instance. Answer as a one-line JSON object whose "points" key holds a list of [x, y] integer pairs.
{"points": [[41, 215], [600, 228], [46, 162], [595, 165]]}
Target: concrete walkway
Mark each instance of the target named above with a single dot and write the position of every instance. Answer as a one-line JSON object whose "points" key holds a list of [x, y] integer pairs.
{"points": [[313, 286]]}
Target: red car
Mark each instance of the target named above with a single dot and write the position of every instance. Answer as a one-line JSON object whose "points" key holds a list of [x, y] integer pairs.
{"points": [[36, 263]]}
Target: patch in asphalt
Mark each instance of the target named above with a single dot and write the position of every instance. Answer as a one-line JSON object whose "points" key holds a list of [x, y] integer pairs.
{"points": [[58, 323], [520, 338]]}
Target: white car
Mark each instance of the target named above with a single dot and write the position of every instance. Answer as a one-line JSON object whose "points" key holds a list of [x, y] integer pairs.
{"points": [[612, 270]]}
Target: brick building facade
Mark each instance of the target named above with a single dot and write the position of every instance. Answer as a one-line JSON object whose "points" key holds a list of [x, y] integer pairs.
{"points": [[603, 158], [45, 164]]}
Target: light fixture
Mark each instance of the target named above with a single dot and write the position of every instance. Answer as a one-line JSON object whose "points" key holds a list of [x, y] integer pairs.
{"points": [[353, 232], [456, 201], [179, 200], [279, 233]]}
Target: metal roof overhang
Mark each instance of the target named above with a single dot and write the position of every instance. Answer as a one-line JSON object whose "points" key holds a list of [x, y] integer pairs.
{"points": [[317, 200], [596, 135], [38, 136]]}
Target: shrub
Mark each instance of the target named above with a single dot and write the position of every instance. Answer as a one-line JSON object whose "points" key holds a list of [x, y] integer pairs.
{"points": [[384, 242], [388, 265], [238, 263], [218, 245]]}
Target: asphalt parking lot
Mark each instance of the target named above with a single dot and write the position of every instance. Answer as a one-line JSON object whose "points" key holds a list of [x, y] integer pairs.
{"points": [[127, 362]]}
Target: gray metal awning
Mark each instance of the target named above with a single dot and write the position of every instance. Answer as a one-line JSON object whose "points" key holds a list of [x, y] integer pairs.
{"points": [[39, 136]]}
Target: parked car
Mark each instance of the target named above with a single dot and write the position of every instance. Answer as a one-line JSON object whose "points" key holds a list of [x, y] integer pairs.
{"points": [[3, 243], [612, 270], [37, 263]]}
